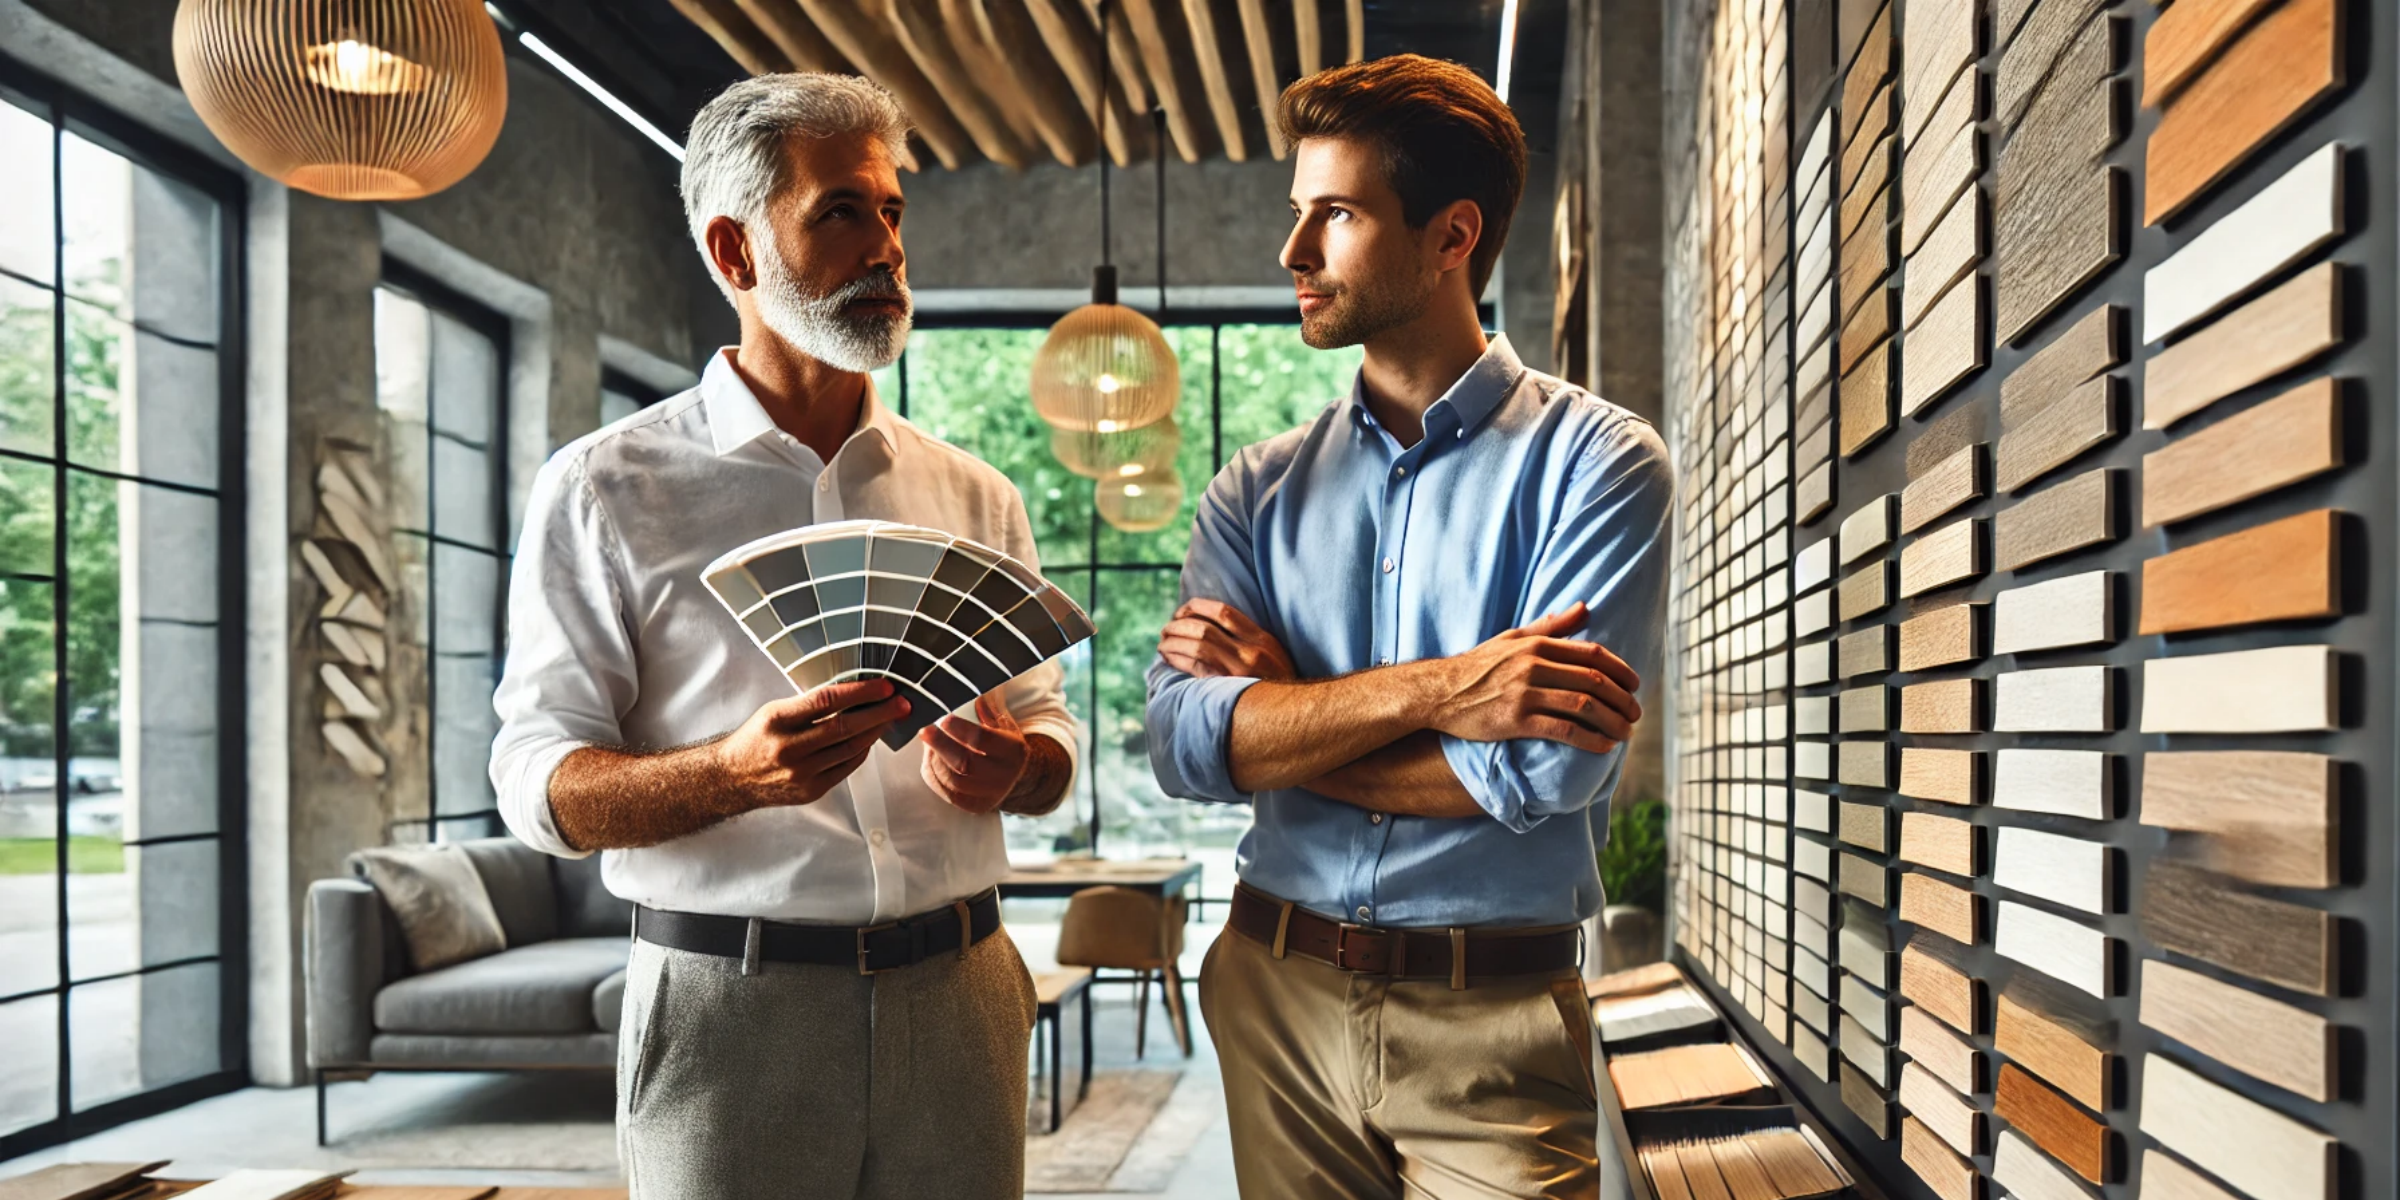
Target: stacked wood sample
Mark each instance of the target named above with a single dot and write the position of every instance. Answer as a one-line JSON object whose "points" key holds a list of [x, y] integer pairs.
{"points": [[2055, 208]]}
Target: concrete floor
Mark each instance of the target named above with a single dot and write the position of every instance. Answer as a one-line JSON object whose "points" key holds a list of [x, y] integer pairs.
{"points": [[276, 1126]]}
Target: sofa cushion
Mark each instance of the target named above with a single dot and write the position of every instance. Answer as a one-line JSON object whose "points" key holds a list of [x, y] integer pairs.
{"points": [[518, 878], [586, 908], [608, 1002], [460, 1052], [543, 988], [445, 912]]}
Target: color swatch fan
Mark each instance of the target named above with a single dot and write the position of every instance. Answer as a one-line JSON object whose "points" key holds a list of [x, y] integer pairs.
{"points": [[943, 618]]}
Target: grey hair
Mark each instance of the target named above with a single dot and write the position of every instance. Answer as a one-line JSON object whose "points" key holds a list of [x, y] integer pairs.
{"points": [[733, 162]]}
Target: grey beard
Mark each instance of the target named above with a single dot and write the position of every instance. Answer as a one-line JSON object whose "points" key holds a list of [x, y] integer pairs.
{"points": [[817, 327]]}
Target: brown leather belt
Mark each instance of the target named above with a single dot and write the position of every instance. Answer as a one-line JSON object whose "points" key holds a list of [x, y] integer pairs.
{"points": [[1458, 954]]}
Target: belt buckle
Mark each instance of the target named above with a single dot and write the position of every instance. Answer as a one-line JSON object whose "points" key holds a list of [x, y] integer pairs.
{"points": [[868, 931], [1341, 945]]}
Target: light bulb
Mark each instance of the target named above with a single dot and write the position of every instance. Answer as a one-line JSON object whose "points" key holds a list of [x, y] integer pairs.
{"points": [[1132, 490], [361, 69], [1105, 426], [1107, 384], [1131, 469]]}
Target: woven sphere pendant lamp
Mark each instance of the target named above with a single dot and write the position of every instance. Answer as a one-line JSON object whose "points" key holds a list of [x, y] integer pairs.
{"points": [[1095, 455], [1139, 503], [348, 99]]}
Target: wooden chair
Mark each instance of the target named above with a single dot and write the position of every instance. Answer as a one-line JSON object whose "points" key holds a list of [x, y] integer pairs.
{"points": [[1056, 993], [1128, 930]]}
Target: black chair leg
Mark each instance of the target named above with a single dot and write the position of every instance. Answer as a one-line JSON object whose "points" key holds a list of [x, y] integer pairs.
{"points": [[1084, 1088], [1058, 1073], [320, 1106], [1141, 1015]]}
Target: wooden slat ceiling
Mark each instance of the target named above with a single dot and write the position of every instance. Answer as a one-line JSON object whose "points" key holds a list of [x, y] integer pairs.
{"points": [[1013, 81]]}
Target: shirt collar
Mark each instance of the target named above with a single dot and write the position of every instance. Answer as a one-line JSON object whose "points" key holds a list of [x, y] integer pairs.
{"points": [[1468, 401], [736, 418]]}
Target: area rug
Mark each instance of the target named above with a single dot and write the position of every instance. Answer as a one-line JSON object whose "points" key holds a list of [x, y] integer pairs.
{"points": [[1129, 1135]]}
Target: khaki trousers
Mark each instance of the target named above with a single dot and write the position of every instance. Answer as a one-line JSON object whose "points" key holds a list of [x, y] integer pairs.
{"points": [[1344, 1087], [817, 1081]]}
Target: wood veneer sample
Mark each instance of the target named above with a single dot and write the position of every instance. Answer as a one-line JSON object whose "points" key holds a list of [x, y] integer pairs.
{"points": [[1945, 556], [2060, 519], [1867, 529], [2025, 1173], [1935, 1047], [1813, 498], [2046, 37], [1944, 776], [1866, 400], [1944, 349], [2094, 343], [2270, 816], [2195, 913], [1964, 426], [1863, 1003], [1947, 256], [2167, 1178], [1940, 987], [2052, 1122], [1942, 706], [2287, 1046], [1860, 1049], [1866, 206], [2295, 436], [2070, 783], [2063, 870], [2184, 39], [2055, 210], [2245, 1143], [1812, 613], [2278, 331], [1812, 1052], [1874, 137], [1952, 482], [1940, 168], [1865, 652], [2281, 689], [2060, 1036], [1940, 637], [1866, 709], [1944, 1173], [1938, 51], [1942, 843], [2065, 950], [1864, 764], [2286, 570], [1871, 325], [1943, 1112], [2073, 610], [2283, 223], [2055, 700], [1860, 1097], [1867, 826], [2061, 432], [2266, 78], [1866, 880], [1867, 73], [1953, 912], [1864, 591]]}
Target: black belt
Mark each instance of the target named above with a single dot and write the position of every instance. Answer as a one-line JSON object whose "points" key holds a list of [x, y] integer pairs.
{"points": [[1458, 954], [870, 948]]}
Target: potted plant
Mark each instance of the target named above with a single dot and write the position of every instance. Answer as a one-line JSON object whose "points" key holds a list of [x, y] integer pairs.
{"points": [[1633, 875]]}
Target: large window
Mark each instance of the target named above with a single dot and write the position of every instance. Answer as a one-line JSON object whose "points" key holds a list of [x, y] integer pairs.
{"points": [[1242, 383], [121, 971]]}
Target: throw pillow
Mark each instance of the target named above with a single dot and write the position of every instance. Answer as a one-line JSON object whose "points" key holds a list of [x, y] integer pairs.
{"points": [[445, 914]]}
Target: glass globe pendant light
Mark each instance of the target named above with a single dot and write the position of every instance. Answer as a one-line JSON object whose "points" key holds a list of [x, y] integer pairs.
{"points": [[348, 99], [1096, 455], [1141, 502]]}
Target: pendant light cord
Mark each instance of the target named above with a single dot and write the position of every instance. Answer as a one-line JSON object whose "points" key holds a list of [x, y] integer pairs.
{"points": [[1100, 123], [1158, 139]]}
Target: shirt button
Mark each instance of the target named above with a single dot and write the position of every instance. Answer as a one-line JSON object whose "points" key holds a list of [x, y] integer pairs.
{"points": [[825, 484], [878, 837], [1400, 472], [1387, 566], [1364, 912], [1374, 818]]}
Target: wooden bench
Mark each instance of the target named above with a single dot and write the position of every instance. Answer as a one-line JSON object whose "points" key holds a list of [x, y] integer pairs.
{"points": [[1054, 992]]}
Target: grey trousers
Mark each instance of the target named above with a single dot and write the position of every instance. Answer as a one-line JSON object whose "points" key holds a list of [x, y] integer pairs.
{"points": [[816, 1081]]}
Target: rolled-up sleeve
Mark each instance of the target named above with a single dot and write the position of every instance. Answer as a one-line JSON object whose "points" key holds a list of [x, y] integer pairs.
{"points": [[570, 672], [1610, 550], [1190, 719]]}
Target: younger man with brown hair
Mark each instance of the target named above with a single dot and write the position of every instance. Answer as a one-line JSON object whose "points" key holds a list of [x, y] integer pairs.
{"points": [[1394, 646]]}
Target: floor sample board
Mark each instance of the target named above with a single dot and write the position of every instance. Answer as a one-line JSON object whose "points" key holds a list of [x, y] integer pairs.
{"points": [[1870, 1106], [1942, 706], [1939, 168], [2295, 436], [1867, 529], [1946, 776], [2074, 610], [2093, 344], [1940, 987], [1945, 556], [1866, 396], [1942, 843], [2055, 700], [1952, 482], [1946, 257], [2063, 870], [2268, 816], [2282, 224], [1943, 1111], [2025, 1173], [1944, 349], [2281, 689], [2065, 950], [2287, 570], [2055, 211], [1953, 912], [2087, 416], [1940, 1050], [2054, 1123], [2277, 332], [2060, 519], [1942, 637], [2284, 1045], [1865, 591], [2061, 1037], [2048, 35], [2069, 783], [1945, 1174], [2184, 40], [2206, 917], [2245, 1143], [2264, 80], [2165, 1177]]}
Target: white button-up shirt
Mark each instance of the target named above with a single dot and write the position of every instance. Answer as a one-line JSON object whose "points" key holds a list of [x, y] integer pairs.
{"points": [[615, 641]]}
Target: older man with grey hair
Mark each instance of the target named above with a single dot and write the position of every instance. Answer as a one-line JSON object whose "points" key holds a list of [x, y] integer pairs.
{"points": [[821, 1001]]}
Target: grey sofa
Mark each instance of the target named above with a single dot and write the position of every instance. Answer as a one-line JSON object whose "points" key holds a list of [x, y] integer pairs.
{"points": [[549, 1001]]}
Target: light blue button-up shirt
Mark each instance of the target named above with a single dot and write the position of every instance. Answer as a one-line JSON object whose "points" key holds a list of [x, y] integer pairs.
{"points": [[1525, 495]]}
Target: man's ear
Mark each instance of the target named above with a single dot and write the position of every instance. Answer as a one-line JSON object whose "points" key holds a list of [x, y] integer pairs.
{"points": [[1455, 232], [729, 253]]}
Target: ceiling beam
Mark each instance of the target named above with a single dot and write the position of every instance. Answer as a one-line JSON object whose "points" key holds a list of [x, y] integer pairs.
{"points": [[1354, 13], [1050, 97], [1217, 74], [1308, 29], [793, 34], [1165, 44], [1075, 45], [1258, 30], [919, 26], [724, 23], [868, 43], [1125, 58]]}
